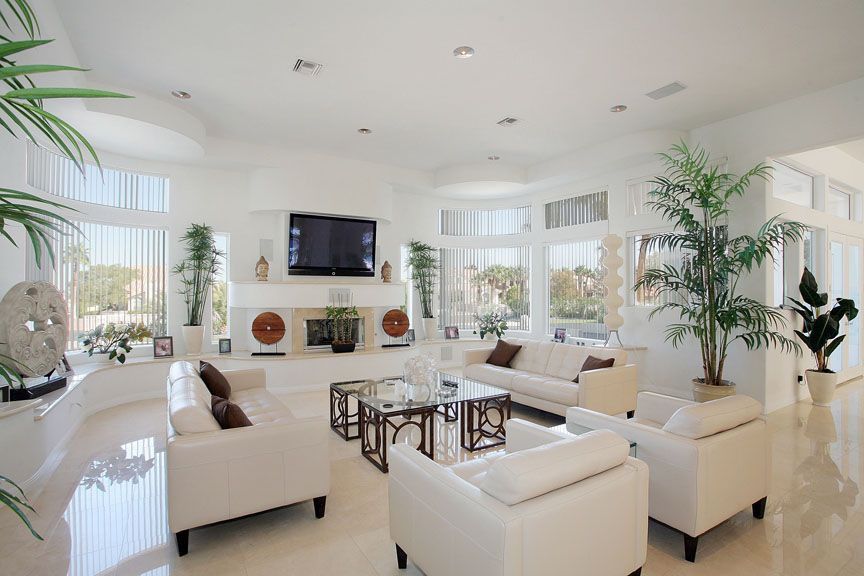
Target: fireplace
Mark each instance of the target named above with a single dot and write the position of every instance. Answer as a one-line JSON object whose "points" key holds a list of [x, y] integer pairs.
{"points": [[318, 333]]}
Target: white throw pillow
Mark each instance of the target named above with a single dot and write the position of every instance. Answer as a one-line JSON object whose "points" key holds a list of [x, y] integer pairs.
{"points": [[530, 473], [708, 418]]}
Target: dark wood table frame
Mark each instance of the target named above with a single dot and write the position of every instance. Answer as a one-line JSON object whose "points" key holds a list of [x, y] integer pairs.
{"points": [[478, 430], [379, 430], [341, 419]]}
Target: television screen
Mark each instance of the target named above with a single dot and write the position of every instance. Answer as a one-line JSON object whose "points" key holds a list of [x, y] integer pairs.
{"points": [[329, 246]]}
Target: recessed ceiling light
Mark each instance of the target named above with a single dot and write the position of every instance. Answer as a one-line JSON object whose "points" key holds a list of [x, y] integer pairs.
{"points": [[493, 157], [618, 108], [181, 94], [463, 52], [364, 130]]}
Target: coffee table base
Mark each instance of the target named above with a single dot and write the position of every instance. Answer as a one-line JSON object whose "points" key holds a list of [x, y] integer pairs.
{"points": [[483, 422], [341, 419], [378, 431]]}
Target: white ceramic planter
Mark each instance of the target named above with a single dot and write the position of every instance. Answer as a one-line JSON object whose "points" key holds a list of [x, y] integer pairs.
{"points": [[704, 393], [822, 386], [193, 337], [430, 328]]}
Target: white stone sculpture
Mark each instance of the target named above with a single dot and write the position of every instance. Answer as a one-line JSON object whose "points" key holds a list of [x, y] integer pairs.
{"points": [[613, 281], [33, 327]]}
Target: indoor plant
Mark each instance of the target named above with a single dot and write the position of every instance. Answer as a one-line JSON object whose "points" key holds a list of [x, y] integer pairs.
{"points": [[22, 114], [703, 287], [490, 323], [342, 318], [821, 334], [115, 340], [423, 262], [197, 271]]}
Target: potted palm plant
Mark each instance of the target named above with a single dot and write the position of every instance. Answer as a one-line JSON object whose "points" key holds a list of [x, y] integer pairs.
{"points": [[423, 262], [703, 288], [22, 113], [821, 334], [197, 271], [342, 318]]}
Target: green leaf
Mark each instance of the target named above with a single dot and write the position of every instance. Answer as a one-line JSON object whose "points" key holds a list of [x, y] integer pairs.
{"points": [[844, 307], [45, 93], [11, 71], [9, 48], [810, 290], [824, 329], [829, 349]]}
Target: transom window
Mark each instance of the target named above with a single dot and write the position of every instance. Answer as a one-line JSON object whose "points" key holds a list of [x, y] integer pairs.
{"points": [[576, 210], [497, 222], [792, 185]]}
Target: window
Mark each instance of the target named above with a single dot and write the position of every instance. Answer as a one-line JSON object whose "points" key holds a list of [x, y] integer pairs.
{"points": [[792, 185], [501, 222], [786, 268], [58, 175], [476, 280], [113, 274], [839, 203], [779, 263], [577, 210], [219, 291], [638, 195], [646, 257], [574, 281]]}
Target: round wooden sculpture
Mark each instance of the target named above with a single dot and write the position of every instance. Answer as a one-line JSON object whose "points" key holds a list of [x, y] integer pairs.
{"points": [[395, 323], [268, 328]]}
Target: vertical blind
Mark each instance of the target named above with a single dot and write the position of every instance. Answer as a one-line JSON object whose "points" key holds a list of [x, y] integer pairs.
{"points": [[500, 222], [646, 257], [574, 280], [638, 195], [478, 280], [57, 175], [113, 274], [577, 210]]}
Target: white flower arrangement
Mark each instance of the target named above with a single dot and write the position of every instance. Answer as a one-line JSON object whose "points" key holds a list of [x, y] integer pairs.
{"points": [[420, 370]]}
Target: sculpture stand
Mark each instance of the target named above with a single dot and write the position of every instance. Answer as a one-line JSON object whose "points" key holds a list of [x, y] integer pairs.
{"points": [[617, 337], [274, 353], [400, 343], [52, 382]]}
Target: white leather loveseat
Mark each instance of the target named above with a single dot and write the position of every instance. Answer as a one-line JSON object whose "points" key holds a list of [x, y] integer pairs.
{"points": [[554, 504], [542, 373], [216, 474], [708, 461]]}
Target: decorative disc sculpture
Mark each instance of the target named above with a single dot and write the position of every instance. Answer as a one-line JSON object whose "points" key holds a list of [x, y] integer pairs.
{"points": [[33, 327], [613, 281], [268, 328], [395, 324]]}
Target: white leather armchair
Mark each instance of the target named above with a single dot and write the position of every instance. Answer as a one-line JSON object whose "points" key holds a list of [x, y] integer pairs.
{"points": [[216, 474], [553, 504], [708, 461]]}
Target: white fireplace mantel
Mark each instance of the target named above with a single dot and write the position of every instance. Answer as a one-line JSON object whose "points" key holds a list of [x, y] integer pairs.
{"points": [[276, 294]]}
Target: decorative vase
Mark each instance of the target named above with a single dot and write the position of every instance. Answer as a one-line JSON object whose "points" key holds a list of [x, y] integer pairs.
{"points": [[490, 337], [704, 392], [193, 337], [341, 347], [430, 327], [821, 386]]}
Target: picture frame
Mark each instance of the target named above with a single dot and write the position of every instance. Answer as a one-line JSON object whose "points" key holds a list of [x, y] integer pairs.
{"points": [[410, 336], [560, 335], [451, 332], [163, 346], [224, 346]]}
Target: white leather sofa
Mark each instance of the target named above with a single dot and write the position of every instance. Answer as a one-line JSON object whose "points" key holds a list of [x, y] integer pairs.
{"points": [[216, 474], [708, 461], [542, 373], [554, 504]]}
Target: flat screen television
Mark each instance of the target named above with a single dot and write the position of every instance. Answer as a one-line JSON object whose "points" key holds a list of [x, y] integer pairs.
{"points": [[331, 246]]}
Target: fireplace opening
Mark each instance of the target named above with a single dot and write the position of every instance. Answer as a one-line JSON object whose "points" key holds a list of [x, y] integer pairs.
{"points": [[318, 333]]}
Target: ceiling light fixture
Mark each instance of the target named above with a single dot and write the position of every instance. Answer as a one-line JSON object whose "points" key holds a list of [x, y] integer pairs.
{"points": [[618, 108], [493, 157], [364, 131], [463, 52], [181, 94]]}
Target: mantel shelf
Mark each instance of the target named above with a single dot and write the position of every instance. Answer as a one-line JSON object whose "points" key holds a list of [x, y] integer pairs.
{"points": [[314, 294]]}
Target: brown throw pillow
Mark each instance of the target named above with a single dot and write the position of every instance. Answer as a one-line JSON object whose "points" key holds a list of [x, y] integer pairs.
{"points": [[503, 354], [592, 363], [215, 381], [228, 414]]}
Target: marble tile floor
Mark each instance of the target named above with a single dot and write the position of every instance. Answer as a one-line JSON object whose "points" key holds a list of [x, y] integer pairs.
{"points": [[103, 511]]}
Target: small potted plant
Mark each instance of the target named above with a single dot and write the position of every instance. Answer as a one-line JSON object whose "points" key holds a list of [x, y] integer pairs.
{"points": [[821, 334], [197, 271], [342, 318], [423, 262], [115, 340], [490, 324]]}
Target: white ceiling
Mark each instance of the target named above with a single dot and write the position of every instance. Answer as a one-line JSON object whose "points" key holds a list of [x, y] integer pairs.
{"points": [[557, 64], [854, 149]]}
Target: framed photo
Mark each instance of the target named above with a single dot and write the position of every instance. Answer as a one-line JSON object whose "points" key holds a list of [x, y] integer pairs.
{"points": [[163, 346], [224, 346], [560, 334], [410, 335], [451, 332]]}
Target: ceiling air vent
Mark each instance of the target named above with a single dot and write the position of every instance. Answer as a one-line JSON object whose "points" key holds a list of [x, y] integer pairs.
{"points": [[667, 90], [307, 67], [508, 121]]}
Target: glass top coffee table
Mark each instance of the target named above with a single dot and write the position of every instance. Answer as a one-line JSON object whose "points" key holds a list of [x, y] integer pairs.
{"points": [[377, 410], [579, 429]]}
